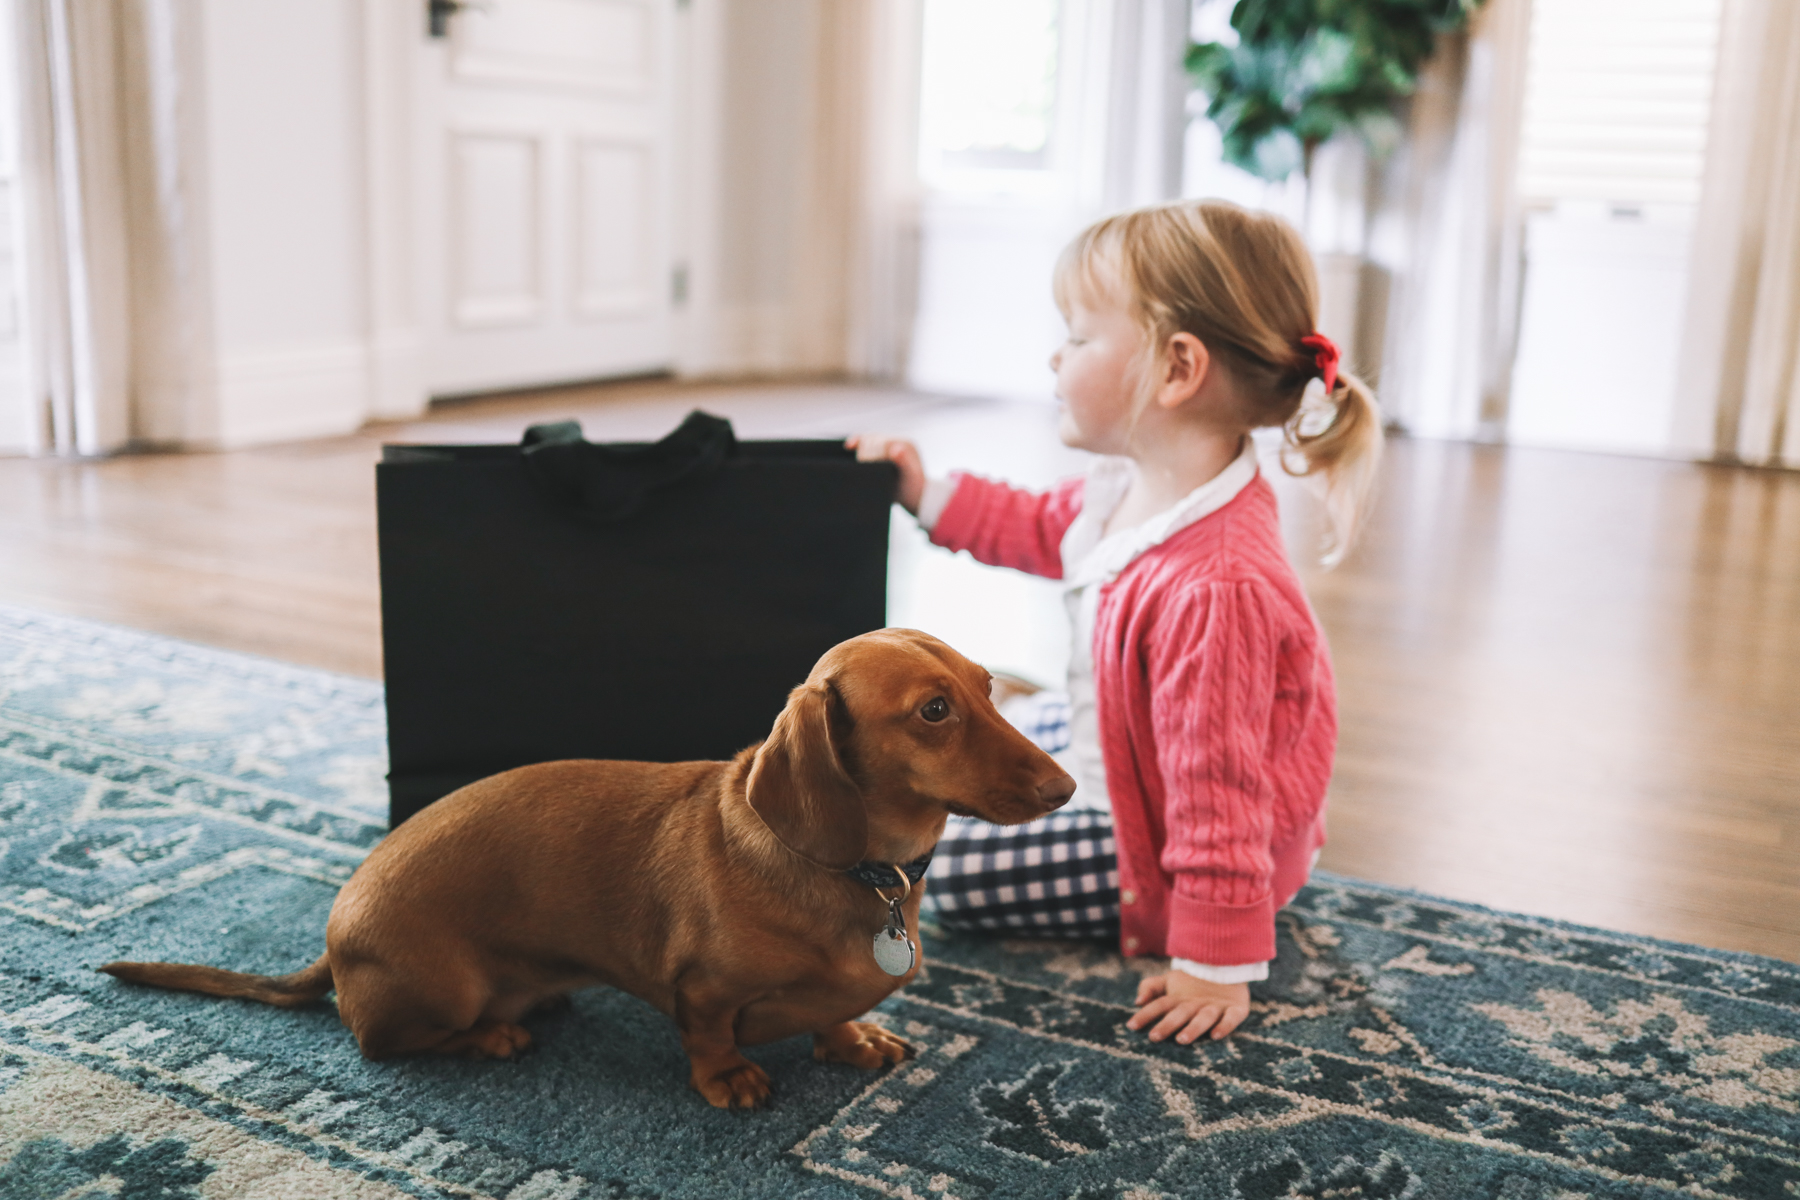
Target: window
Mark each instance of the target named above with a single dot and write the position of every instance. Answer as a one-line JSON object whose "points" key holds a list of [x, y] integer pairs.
{"points": [[1617, 97], [1618, 94], [987, 90]]}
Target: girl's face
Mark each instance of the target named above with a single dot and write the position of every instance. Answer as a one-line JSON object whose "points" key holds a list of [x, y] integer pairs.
{"points": [[1097, 374]]}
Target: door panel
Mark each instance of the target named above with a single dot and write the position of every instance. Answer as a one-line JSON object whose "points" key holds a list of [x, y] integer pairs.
{"points": [[614, 184], [543, 224], [496, 198], [603, 45]]}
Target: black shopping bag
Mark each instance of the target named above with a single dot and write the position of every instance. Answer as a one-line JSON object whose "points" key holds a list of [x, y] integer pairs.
{"points": [[566, 599]]}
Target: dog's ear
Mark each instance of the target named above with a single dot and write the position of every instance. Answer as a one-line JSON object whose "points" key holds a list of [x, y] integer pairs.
{"points": [[799, 787]]}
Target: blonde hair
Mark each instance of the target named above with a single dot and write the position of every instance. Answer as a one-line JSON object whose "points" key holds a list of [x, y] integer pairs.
{"points": [[1243, 283]]}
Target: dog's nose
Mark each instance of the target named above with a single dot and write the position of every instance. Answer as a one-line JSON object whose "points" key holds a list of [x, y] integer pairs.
{"points": [[1056, 792]]}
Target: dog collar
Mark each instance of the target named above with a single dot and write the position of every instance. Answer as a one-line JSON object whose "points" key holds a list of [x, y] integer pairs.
{"points": [[881, 875]]}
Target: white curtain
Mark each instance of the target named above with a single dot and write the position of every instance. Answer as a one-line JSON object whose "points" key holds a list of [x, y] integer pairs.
{"points": [[869, 185], [1739, 379], [1141, 100], [76, 385], [1124, 105], [109, 347], [986, 324], [1444, 237], [802, 152]]}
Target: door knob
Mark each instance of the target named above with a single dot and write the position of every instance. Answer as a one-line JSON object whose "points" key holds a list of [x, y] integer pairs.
{"points": [[439, 12]]}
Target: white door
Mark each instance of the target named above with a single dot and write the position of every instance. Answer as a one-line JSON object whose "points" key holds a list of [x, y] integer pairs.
{"points": [[543, 210]]}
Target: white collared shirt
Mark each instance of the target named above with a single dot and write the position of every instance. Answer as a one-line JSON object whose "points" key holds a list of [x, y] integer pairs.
{"points": [[1092, 558]]}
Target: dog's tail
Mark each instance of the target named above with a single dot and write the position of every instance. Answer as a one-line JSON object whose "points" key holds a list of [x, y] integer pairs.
{"points": [[283, 991]]}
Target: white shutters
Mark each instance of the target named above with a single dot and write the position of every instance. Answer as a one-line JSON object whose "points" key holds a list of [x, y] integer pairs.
{"points": [[1616, 101]]}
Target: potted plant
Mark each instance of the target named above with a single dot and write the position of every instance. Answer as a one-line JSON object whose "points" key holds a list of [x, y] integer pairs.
{"points": [[1305, 71]]}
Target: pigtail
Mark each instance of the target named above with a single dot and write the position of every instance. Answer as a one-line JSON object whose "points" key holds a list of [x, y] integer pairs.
{"points": [[1339, 439]]}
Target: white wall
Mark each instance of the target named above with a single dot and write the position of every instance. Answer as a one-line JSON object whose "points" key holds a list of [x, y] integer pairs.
{"points": [[286, 193]]}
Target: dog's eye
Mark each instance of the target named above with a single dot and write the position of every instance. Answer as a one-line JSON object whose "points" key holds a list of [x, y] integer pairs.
{"points": [[935, 709]]}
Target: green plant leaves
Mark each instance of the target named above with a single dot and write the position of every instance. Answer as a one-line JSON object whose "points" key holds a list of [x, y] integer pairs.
{"points": [[1304, 71]]}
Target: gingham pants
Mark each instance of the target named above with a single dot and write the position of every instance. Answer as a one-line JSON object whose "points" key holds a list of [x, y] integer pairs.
{"points": [[1057, 876]]}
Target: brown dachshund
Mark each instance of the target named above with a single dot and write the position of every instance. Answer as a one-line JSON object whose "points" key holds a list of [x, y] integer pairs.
{"points": [[717, 891]]}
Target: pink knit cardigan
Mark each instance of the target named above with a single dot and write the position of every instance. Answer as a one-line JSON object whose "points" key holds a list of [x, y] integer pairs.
{"points": [[1217, 713]]}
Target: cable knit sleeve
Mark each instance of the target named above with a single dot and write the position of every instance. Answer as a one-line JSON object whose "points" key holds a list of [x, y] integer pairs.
{"points": [[1215, 668], [1006, 526]]}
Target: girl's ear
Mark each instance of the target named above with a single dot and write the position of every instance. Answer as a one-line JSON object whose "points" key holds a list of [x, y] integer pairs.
{"points": [[1186, 364]]}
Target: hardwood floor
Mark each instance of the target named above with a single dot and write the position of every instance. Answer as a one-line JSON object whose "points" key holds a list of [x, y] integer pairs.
{"points": [[1569, 684]]}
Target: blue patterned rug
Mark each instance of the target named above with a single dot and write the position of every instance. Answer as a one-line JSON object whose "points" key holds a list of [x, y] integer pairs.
{"points": [[163, 801]]}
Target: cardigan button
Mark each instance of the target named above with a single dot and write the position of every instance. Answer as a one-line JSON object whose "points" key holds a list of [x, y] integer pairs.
{"points": [[1128, 896], [1131, 943]]}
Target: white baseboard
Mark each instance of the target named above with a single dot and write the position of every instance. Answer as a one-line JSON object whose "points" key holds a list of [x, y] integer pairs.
{"points": [[287, 395], [397, 389]]}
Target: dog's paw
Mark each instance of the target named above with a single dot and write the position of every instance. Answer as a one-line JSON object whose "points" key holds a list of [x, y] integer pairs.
{"points": [[861, 1044], [491, 1039], [743, 1086]]}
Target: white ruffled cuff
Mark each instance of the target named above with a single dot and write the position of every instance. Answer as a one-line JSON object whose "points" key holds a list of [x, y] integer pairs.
{"points": [[933, 500], [1242, 973]]}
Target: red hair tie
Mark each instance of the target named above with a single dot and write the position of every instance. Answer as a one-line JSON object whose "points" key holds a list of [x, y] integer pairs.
{"points": [[1325, 357]]}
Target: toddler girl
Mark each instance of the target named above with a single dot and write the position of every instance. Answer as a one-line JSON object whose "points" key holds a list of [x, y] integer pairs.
{"points": [[1201, 714]]}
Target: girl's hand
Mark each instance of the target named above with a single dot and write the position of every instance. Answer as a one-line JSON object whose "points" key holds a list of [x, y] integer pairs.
{"points": [[879, 447], [1188, 1006]]}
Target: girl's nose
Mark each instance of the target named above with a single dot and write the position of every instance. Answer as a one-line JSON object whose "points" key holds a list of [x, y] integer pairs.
{"points": [[1056, 360]]}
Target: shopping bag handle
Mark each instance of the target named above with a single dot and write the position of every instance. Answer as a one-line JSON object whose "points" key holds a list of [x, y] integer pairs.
{"points": [[608, 483]]}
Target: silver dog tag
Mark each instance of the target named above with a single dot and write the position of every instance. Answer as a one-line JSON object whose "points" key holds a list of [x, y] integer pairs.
{"points": [[894, 951]]}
